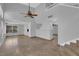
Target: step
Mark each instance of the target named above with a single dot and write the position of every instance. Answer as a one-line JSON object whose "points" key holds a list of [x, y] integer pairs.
{"points": [[66, 45], [77, 43], [58, 45], [75, 50], [61, 52], [73, 44], [68, 51]]}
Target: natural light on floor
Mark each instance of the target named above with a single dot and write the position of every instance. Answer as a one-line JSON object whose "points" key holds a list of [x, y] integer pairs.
{"points": [[11, 42]]}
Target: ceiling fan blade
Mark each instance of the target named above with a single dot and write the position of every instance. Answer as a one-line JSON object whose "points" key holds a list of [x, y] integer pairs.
{"points": [[34, 14], [29, 16]]}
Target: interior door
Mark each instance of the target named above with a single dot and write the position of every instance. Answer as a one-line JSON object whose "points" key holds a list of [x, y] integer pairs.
{"points": [[55, 29]]}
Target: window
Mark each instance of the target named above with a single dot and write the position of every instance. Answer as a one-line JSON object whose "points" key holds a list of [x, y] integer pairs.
{"points": [[14, 28], [11, 29]]}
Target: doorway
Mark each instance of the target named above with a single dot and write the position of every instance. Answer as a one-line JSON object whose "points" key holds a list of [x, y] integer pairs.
{"points": [[55, 31]]}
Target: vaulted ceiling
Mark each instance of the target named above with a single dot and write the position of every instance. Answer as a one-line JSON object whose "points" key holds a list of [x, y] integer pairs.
{"points": [[14, 12], [34, 5]]}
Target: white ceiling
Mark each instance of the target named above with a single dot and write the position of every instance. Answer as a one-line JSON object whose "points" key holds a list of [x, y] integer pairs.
{"points": [[32, 4], [14, 12]]}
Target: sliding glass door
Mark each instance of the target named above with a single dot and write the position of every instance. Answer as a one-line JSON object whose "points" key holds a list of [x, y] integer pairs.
{"points": [[11, 29]]}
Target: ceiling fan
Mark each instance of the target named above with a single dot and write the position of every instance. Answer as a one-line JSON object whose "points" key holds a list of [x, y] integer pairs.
{"points": [[29, 13]]}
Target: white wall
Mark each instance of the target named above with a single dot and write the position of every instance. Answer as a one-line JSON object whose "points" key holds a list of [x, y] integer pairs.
{"points": [[1, 11], [46, 29], [14, 16], [21, 29], [32, 29], [27, 26], [2, 30], [67, 19], [2, 26], [14, 13], [68, 22]]}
